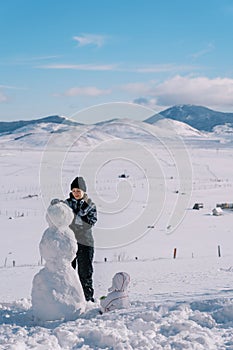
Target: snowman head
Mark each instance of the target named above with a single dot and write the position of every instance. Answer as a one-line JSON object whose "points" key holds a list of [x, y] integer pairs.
{"points": [[59, 215], [58, 245]]}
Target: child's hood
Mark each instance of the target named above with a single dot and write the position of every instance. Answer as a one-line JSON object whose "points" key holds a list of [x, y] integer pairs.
{"points": [[120, 282]]}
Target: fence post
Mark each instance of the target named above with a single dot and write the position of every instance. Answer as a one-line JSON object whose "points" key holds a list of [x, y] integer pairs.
{"points": [[219, 251], [174, 253]]}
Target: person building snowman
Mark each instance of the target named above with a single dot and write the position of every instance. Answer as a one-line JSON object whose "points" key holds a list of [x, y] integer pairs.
{"points": [[85, 216], [117, 298], [56, 290]]}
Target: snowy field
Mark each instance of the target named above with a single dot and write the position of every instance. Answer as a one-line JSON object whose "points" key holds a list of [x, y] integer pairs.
{"points": [[182, 303]]}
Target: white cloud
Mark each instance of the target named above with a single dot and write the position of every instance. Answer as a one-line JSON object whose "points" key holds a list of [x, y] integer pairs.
{"points": [[216, 93], [210, 47], [3, 97], [86, 91], [163, 68], [11, 87], [148, 102], [37, 58], [199, 90], [90, 39], [83, 67], [144, 69]]}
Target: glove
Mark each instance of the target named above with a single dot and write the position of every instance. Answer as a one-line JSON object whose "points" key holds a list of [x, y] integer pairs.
{"points": [[85, 198]]}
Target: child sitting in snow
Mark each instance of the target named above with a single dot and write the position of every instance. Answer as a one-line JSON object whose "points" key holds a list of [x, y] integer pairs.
{"points": [[117, 297]]}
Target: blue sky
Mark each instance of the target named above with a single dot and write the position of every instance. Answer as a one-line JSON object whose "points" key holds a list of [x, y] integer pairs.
{"points": [[59, 57]]}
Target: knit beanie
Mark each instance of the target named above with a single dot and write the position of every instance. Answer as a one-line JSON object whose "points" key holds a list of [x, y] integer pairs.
{"points": [[79, 182]]}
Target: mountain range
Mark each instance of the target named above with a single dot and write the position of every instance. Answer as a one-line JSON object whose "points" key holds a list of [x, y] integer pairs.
{"points": [[198, 117], [6, 127]]}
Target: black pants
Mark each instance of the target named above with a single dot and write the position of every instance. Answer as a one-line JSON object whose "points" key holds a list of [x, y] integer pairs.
{"points": [[84, 259]]}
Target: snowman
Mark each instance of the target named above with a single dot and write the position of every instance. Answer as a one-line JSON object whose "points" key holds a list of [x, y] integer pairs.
{"points": [[56, 290]]}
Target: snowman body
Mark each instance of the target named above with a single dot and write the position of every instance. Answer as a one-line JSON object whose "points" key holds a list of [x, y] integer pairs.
{"points": [[56, 290]]}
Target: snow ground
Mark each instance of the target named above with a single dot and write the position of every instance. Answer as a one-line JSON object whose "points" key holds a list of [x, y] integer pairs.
{"points": [[182, 303]]}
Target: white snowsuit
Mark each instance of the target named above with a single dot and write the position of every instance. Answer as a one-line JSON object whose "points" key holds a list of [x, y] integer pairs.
{"points": [[117, 297]]}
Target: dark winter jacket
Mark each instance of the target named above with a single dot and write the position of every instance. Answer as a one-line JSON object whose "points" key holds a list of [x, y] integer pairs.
{"points": [[85, 217]]}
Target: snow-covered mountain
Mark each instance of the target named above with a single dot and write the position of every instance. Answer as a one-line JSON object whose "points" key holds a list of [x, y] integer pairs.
{"points": [[182, 129], [6, 127], [198, 117], [187, 121], [226, 129], [82, 136]]}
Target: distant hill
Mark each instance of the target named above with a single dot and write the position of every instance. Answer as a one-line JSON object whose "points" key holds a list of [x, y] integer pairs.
{"points": [[201, 118], [60, 135], [6, 127], [198, 117]]}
